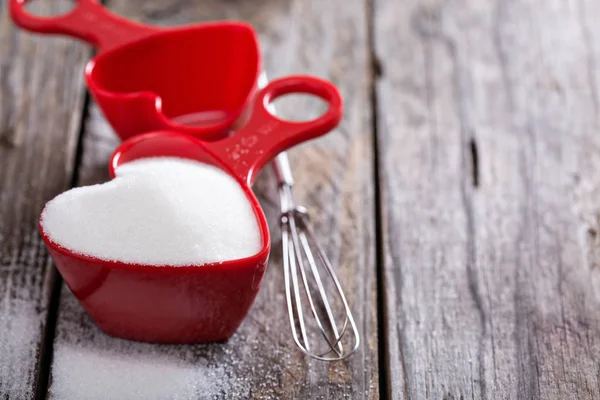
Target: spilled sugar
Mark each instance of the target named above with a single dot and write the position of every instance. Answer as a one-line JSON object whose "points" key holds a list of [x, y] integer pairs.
{"points": [[157, 211], [81, 373], [88, 364], [19, 335]]}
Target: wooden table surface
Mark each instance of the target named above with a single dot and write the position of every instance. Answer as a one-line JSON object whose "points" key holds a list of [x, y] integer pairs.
{"points": [[459, 200]]}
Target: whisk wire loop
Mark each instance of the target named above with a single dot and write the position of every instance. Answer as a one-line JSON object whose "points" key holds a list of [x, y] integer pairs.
{"points": [[297, 237], [323, 298]]}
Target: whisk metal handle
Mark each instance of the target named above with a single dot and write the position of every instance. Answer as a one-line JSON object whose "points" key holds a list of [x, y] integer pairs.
{"points": [[282, 170]]}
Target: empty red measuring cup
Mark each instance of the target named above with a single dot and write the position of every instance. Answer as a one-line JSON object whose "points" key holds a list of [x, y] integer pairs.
{"points": [[149, 78], [203, 303]]}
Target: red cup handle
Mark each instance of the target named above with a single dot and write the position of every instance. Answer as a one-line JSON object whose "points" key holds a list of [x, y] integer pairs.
{"points": [[89, 21], [265, 135]]}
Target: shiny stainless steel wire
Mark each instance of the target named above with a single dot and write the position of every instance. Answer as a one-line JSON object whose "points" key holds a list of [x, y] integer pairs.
{"points": [[299, 245]]}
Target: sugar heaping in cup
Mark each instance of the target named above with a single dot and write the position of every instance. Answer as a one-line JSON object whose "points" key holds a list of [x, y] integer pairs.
{"points": [[157, 211]]}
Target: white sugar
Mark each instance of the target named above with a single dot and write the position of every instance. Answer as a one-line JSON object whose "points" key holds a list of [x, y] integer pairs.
{"points": [[80, 373], [87, 364], [157, 211], [19, 336]]}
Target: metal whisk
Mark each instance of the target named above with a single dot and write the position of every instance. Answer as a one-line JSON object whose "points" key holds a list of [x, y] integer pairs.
{"points": [[298, 241]]}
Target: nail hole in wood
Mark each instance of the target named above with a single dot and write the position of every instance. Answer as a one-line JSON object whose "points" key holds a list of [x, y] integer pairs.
{"points": [[9, 139], [377, 67], [474, 162]]}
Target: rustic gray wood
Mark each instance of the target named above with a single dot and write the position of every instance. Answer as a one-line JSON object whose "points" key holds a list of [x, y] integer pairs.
{"points": [[334, 179], [41, 95], [490, 162]]}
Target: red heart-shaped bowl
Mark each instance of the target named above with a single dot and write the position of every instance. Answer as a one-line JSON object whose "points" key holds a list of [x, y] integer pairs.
{"points": [[195, 303]]}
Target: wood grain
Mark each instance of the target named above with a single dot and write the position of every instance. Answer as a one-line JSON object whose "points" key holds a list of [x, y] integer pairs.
{"points": [[41, 96], [489, 158], [334, 179]]}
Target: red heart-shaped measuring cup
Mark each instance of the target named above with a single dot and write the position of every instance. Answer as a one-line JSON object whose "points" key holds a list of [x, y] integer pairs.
{"points": [[197, 79], [195, 303]]}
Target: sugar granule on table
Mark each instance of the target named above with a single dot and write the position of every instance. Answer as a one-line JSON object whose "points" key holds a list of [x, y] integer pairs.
{"points": [[157, 211]]}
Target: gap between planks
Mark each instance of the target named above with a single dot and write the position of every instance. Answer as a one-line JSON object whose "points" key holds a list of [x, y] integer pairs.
{"points": [[375, 70]]}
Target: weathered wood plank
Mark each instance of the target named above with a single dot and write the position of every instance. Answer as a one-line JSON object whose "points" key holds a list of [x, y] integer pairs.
{"points": [[334, 179], [41, 96], [490, 156]]}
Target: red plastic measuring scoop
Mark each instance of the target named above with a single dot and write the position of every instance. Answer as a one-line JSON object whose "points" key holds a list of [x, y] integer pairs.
{"points": [[148, 78], [201, 303]]}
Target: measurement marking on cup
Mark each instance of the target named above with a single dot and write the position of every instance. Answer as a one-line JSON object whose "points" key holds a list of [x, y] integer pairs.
{"points": [[268, 127], [242, 148], [249, 141]]}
